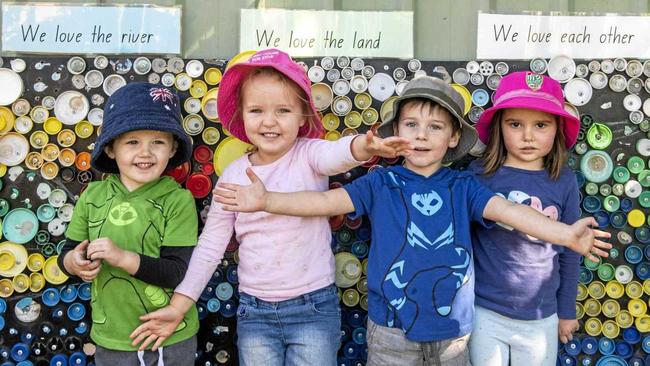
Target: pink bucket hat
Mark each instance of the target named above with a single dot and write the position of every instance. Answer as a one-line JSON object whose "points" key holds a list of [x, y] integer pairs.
{"points": [[228, 97], [528, 90]]}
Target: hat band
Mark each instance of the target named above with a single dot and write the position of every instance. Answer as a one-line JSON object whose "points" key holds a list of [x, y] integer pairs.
{"points": [[527, 93]]}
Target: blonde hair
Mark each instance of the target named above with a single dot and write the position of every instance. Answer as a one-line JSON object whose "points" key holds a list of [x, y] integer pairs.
{"points": [[311, 120], [495, 153]]}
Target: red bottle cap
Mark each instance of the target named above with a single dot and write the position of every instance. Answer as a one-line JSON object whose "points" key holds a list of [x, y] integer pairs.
{"points": [[199, 184]]}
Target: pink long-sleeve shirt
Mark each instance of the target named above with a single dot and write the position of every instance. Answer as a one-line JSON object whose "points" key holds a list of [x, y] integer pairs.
{"points": [[280, 257]]}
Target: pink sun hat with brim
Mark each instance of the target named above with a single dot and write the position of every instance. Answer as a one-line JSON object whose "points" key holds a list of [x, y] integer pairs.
{"points": [[228, 97], [529, 90]]}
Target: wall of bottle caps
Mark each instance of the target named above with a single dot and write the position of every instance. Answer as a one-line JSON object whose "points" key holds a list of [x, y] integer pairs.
{"points": [[51, 112]]}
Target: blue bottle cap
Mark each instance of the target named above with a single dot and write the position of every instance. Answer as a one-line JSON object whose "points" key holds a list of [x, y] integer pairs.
{"points": [[360, 249], [59, 360], [636, 361], [633, 254], [81, 328], [573, 347], [351, 350], [77, 359], [624, 349], [51, 297], [602, 218], [567, 360], [355, 318], [606, 346], [363, 233], [359, 335], [68, 293], [224, 291], [589, 345], [208, 293], [586, 361], [591, 204], [611, 361], [19, 352], [642, 234], [201, 310], [213, 305], [231, 274], [617, 219], [643, 270], [76, 311], [228, 309], [626, 204], [631, 335], [585, 275], [3, 306], [84, 291]]}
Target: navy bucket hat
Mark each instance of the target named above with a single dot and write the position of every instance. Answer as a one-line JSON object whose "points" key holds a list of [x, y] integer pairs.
{"points": [[141, 106]]}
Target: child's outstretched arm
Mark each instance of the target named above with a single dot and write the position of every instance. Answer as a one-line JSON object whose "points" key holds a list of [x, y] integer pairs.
{"points": [[369, 145], [579, 237], [255, 197]]}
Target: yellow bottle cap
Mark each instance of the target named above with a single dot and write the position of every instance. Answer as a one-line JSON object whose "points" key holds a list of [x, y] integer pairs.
{"points": [[84, 129], [636, 218], [52, 126], [66, 137]]}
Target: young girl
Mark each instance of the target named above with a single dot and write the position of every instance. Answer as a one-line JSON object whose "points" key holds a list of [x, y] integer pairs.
{"points": [[288, 306], [525, 288]]}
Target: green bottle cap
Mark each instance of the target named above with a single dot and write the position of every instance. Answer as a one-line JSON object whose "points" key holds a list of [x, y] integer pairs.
{"points": [[621, 174], [599, 136], [635, 164], [606, 272]]}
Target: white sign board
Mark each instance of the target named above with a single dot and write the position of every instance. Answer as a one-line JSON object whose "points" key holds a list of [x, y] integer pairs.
{"points": [[53, 28], [328, 33], [502, 36]]}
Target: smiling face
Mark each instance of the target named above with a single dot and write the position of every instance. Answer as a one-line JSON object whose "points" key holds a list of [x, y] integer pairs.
{"points": [[431, 129], [273, 114], [141, 156], [528, 136]]}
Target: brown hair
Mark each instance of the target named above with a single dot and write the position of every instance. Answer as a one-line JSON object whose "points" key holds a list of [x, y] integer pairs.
{"points": [[495, 153], [310, 119], [431, 106]]}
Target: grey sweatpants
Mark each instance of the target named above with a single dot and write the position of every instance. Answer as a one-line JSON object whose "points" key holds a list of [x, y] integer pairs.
{"points": [[178, 354], [389, 346]]}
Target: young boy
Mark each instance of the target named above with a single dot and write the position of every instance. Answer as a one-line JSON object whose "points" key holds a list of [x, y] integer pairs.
{"points": [[132, 234], [420, 270]]}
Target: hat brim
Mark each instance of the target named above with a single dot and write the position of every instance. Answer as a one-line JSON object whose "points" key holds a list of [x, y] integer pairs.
{"points": [[228, 99], [468, 135], [571, 125], [101, 161]]}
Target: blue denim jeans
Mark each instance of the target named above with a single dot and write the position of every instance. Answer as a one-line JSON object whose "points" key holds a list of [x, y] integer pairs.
{"points": [[305, 330]]}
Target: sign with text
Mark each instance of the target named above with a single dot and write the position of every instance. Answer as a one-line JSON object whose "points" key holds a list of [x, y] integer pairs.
{"points": [[328, 33], [502, 36], [53, 28]]}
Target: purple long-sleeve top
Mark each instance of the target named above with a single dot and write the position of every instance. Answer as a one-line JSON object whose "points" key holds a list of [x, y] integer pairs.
{"points": [[519, 276]]}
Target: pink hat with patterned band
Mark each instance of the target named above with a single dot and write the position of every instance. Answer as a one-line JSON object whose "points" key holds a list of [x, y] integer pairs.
{"points": [[228, 97], [529, 90]]}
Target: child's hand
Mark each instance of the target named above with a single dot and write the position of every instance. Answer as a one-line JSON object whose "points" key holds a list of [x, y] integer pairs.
{"points": [[235, 197], [104, 248], [389, 147], [565, 329], [583, 240], [77, 263], [158, 326]]}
